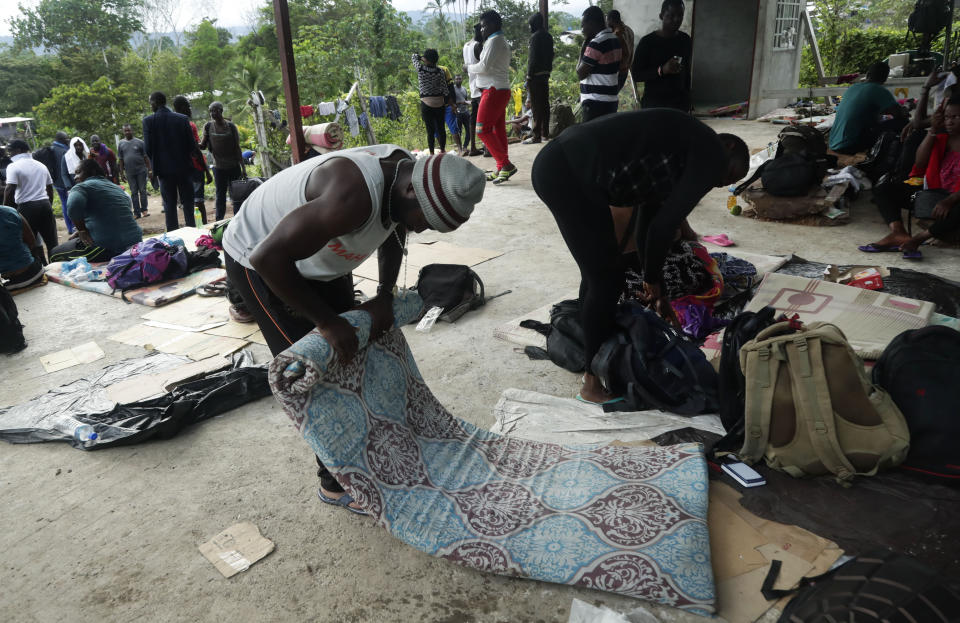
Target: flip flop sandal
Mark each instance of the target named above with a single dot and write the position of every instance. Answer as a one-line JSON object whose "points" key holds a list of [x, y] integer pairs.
{"points": [[505, 175], [492, 175], [218, 288], [721, 240], [913, 255], [344, 501], [879, 248]]}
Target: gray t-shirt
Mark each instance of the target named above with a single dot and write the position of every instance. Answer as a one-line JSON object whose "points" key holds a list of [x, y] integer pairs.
{"points": [[132, 152]]}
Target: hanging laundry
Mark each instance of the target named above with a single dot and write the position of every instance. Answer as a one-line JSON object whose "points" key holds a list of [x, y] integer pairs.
{"points": [[517, 101], [364, 122], [326, 108], [341, 106], [353, 121], [307, 111], [378, 106], [393, 108]]}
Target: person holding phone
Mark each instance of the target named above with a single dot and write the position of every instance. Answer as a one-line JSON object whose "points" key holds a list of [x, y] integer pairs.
{"points": [[662, 61]]}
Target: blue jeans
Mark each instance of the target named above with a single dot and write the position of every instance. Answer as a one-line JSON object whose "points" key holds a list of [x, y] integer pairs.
{"points": [[170, 187], [62, 193], [138, 191]]}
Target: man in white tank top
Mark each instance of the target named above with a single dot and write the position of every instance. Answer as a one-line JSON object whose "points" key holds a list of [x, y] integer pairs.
{"points": [[291, 249]]}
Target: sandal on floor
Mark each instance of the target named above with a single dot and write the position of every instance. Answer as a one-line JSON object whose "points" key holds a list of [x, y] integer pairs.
{"points": [[879, 248], [344, 500], [217, 288], [493, 175], [504, 175], [913, 255]]}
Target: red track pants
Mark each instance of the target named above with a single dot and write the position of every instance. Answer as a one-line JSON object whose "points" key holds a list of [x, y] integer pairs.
{"points": [[491, 124]]}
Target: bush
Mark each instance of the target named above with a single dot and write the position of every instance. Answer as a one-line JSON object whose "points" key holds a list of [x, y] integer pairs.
{"points": [[854, 52]]}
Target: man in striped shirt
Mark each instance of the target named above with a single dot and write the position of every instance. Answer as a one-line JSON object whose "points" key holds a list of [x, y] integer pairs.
{"points": [[599, 66]]}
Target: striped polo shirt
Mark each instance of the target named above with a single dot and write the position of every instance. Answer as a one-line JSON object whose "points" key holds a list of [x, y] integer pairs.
{"points": [[603, 54]]}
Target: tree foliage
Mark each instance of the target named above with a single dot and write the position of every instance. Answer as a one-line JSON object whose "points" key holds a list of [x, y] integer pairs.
{"points": [[73, 25], [100, 107], [207, 54], [25, 79]]}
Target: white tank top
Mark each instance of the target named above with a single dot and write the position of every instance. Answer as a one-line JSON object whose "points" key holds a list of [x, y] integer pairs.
{"points": [[286, 191]]}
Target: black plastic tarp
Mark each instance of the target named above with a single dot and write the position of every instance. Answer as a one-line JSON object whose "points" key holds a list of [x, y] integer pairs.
{"points": [[58, 414]]}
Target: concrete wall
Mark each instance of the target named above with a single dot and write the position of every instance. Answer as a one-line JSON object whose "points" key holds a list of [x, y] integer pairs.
{"points": [[773, 69], [723, 57], [643, 16]]}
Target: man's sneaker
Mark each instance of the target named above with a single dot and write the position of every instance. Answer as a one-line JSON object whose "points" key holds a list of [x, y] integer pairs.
{"points": [[505, 174], [239, 314]]}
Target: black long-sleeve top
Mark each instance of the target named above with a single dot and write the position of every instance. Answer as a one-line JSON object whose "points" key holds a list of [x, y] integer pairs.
{"points": [[668, 91], [663, 160], [541, 53]]}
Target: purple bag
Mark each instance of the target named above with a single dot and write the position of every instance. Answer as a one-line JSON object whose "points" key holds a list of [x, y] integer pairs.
{"points": [[147, 262]]}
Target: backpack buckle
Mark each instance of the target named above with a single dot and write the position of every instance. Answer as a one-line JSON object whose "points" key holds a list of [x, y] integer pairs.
{"points": [[801, 343]]}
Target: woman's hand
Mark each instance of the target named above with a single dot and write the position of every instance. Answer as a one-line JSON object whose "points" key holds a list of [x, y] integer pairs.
{"points": [[654, 298]]}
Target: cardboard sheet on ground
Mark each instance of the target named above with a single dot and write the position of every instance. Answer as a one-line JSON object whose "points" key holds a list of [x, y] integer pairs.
{"points": [[62, 359], [421, 254], [541, 417], [236, 548], [192, 344], [869, 319], [149, 385], [630, 520], [193, 314], [155, 295]]}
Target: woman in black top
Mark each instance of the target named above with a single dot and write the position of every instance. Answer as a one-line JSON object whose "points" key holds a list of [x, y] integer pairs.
{"points": [[659, 163], [434, 94], [220, 136]]}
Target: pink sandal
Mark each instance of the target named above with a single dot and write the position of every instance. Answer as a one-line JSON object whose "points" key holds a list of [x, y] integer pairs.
{"points": [[720, 240]]}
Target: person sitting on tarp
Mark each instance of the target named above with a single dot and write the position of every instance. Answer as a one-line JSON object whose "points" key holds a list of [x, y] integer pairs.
{"points": [[21, 256], [101, 212], [292, 249], [859, 117], [938, 160], [657, 164]]}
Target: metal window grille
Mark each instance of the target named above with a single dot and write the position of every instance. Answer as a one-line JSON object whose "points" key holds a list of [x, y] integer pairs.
{"points": [[786, 33]]}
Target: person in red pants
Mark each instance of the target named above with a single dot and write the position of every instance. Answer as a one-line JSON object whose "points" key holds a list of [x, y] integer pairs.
{"points": [[492, 74]]}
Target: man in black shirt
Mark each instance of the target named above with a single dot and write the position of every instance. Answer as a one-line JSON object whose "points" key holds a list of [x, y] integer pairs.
{"points": [[538, 78], [657, 164], [662, 61]]}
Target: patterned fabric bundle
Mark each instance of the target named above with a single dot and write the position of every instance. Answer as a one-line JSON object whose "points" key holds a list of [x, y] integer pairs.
{"points": [[628, 520]]}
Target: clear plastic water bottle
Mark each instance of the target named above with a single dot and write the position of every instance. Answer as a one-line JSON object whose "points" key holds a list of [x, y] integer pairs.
{"points": [[197, 219], [85, 434]]}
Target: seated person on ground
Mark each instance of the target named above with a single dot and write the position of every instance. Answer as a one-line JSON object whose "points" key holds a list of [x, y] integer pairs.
{"points": [[20, 255], [654, 166], [292, 248], [938, 160], [101, 212], [858, 122]]}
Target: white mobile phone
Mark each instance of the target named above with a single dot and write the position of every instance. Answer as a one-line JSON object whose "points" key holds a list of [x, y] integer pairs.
{"points": [[745, 475]]}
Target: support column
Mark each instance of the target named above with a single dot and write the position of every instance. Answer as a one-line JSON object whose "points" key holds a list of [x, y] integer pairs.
{"points": [[281, 15]]}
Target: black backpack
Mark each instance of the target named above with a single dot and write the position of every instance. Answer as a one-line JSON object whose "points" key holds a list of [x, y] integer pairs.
{"points": [[799, 164], [454, 287], [564, 336], [883, 157], [920, 369], [11, 331], [879, 587], [803, 140], [654, 367]]}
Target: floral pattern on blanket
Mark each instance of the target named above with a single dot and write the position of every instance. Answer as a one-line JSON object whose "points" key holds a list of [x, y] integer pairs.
{"points": [[629, 520]]}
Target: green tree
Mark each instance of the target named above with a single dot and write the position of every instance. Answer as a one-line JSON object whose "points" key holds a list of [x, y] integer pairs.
{"points": [[100, 107], [167, 73], [25, 79], [207, 54], [251, 73]]}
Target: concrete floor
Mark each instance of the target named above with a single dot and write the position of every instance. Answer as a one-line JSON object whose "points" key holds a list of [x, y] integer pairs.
{"points": [[113, 535]]}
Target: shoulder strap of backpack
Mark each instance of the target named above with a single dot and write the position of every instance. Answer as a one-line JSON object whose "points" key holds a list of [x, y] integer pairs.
{"points": [[753, 178], [762, 365], [811, 397], [476, 279]]}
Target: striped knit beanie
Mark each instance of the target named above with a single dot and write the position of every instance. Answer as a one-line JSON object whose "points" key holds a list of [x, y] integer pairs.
{"points": [[447, 188]]}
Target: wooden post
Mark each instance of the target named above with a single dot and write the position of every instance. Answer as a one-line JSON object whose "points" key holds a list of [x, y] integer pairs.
{"points": [[814, 47], [544, 10], [371, 139], [288, 70], [256, 104], [948, 39]]}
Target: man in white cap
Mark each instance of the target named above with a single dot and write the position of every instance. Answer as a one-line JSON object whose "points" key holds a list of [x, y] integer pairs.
{"points": [[291, 249]]}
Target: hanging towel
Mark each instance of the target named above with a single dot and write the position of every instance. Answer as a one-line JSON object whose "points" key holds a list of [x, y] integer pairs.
{"points": [[352, 121], [307, 111], [326, 108], [393, 108], [364, 122]]}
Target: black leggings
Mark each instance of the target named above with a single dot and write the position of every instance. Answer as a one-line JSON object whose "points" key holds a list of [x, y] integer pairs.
{"points": [[39, 216], [433, 119], [892, 197], [587, 227], [74, 248], [281, 327]]}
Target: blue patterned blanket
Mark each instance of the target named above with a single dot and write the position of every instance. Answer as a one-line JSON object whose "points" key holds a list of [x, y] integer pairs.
{"points": [[630, 520]]}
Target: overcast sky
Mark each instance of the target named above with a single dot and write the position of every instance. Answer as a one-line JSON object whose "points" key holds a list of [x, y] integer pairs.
{"points": [[238, 12]]}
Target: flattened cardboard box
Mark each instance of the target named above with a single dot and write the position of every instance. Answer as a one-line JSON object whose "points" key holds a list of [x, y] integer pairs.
{"points": [[236, 548]]}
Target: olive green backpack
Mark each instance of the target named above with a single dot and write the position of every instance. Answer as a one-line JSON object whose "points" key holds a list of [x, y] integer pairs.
{"points": [[811, 409]]}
